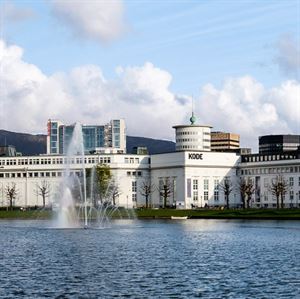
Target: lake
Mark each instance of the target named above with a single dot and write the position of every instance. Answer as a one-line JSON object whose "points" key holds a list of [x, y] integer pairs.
{"points": [[151, 259]]}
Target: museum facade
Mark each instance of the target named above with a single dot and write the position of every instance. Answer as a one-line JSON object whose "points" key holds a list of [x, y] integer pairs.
{"points": [[187, 178]]}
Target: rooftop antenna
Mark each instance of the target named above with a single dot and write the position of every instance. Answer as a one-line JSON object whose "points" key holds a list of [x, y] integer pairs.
{"points": [[193, 118]]}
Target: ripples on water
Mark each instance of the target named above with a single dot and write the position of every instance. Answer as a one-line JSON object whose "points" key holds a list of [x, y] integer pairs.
{"points": [[151, 259]]}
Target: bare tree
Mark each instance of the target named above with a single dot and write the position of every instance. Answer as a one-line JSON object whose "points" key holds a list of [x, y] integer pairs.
{"points": [[242, 187], [250, 189], [43, 189], [279, 188], [165, 191], [227, 187], [114, 191], [146, 189], [11, 194]]}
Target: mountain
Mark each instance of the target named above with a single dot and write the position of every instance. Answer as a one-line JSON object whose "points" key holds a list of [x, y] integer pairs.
{"points": [[29, 144], [155, 146]]}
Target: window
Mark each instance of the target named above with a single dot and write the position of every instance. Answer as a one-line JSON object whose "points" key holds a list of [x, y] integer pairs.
{"points": [[291, 181], [195, 184], [134, 197], [128, 173], [133, 186], [134, 190], [205, 184], [205, 187], [291, 194], [195, 190], [216, 190], [205, 195]]}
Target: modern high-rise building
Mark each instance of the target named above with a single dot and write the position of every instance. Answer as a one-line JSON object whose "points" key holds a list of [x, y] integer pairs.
{"points": [[109, 138], [54, 137], [278, 143], [221, 141]]}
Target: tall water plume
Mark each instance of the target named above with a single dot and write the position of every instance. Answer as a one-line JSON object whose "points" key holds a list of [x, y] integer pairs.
{"points": [[67, 215]]}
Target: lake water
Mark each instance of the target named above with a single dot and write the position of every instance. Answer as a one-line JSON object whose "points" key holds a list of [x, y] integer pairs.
{"points": [[151, 259]]}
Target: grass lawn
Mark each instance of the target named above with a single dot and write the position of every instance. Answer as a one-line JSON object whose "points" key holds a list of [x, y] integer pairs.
{"points": [[286, 214], [29, 214], [222, 214]]}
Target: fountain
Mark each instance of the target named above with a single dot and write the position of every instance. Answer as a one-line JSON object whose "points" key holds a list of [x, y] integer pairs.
{"points": [[74, 206]]}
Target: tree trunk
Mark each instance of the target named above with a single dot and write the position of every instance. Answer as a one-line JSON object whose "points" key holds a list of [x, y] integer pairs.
{"points": [[243, 202], [227, 201], [277, 199], [44, 201], [282, 198], [146, 201]]}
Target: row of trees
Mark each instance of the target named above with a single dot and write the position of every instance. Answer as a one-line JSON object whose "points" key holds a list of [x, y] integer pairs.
{"points": [[278, 188], [11, 193], [105, 187]]}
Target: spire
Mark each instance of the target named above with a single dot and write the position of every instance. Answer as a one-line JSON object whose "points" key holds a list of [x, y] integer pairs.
{"points": [[192, 118]]}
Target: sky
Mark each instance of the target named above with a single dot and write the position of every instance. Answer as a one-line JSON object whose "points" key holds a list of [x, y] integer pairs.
{"points": [[144, 61]]}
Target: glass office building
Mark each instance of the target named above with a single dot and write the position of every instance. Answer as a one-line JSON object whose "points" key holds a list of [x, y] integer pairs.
{"points": [[107, 138]]}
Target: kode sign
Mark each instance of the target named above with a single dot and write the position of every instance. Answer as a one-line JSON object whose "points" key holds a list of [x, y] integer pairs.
{"points": [[195, 156]]}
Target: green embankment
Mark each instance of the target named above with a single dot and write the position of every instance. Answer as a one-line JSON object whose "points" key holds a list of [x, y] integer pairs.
{"points": [[284, 214], [29, 214], [222, 214]]}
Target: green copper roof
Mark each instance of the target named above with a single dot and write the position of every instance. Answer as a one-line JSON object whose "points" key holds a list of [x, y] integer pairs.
{"points": [[193, 119]]}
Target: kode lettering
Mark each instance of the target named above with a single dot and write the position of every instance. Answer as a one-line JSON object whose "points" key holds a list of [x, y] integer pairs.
{"points": [[196, 156]]}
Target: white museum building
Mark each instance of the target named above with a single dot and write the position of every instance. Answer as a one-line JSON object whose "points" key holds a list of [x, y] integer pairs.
{"points": [[193, 173]]}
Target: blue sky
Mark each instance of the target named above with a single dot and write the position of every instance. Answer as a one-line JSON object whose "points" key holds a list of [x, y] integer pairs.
{"points": [[196, 41], [200, 45]]}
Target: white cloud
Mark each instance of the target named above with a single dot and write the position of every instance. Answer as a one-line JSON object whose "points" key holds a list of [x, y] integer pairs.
{"points": [[142, 96], [245, 106], [288, 58], [101, 20], [12, 13]]}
